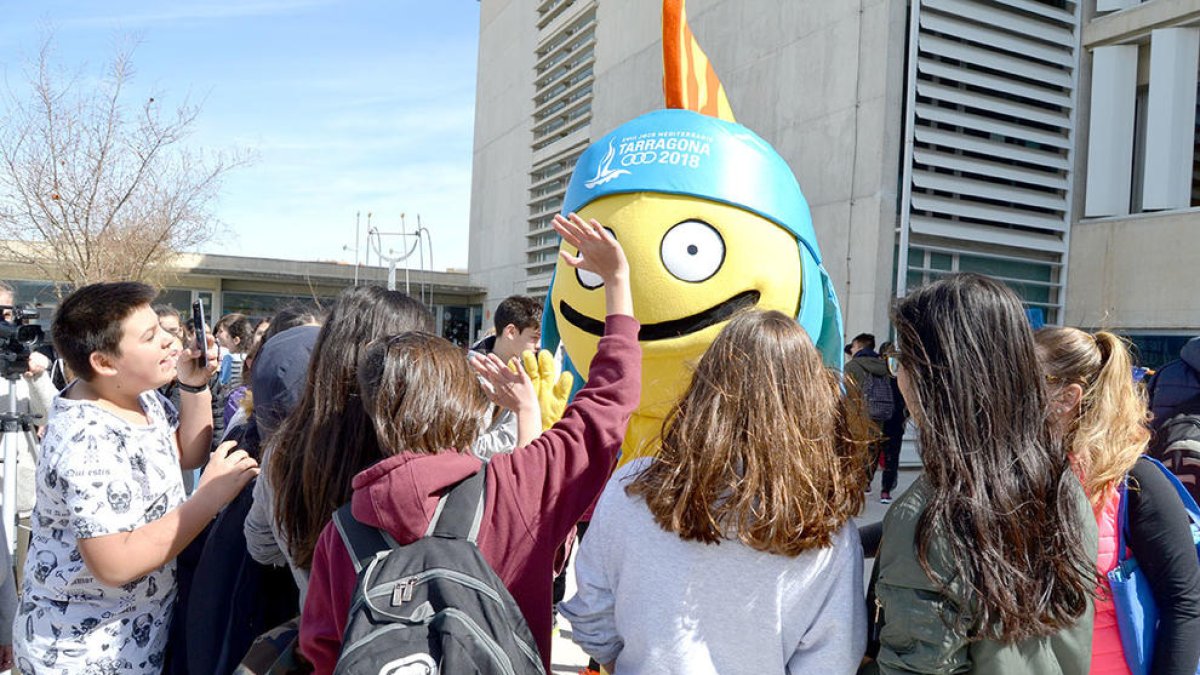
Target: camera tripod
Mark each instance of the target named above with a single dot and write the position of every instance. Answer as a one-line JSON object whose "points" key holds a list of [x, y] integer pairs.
{"points": [[13, 426]]}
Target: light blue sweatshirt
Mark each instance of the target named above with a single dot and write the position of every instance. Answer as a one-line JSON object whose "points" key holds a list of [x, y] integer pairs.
{"points": [[654, 603]]}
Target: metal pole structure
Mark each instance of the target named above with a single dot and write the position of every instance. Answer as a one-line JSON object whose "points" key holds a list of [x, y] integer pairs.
{"points": [[368, 239], [421, 252], [404, 234], [423, 232], [10, 431], [357, 231], [391, 258]]}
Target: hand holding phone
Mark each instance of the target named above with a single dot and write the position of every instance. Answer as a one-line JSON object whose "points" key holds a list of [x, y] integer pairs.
{"points": [[201, 334]]}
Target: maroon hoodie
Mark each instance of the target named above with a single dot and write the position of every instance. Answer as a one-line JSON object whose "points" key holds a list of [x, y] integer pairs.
{"points": [[534, 497]]}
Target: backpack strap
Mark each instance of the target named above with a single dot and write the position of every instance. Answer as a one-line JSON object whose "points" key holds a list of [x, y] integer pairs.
{"points": [[460, 511], [1189, 504], [362, 541], [458, 515], [1123, 519]]}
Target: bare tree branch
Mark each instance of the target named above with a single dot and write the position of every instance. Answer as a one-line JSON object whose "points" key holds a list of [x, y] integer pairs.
{"points": [[90, 192]]}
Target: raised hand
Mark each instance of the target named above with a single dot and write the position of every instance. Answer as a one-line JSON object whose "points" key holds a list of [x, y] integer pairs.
{"points": [[228, 471], [189, 371], [506, 386], [598, 250]]}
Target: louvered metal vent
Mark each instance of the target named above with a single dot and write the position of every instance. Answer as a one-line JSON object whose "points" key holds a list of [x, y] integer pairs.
{"points": [[562, 113], [990, 142]]}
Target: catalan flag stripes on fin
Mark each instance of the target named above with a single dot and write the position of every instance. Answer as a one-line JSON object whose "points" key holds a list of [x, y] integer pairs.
{"points": [[689, 81]]}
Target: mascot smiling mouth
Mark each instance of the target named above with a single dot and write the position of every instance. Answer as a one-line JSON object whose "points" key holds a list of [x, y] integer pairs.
{"points": [[666, 330]]}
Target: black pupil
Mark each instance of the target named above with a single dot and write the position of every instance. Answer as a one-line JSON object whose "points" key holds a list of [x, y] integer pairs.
{"points": [[692, 250]]}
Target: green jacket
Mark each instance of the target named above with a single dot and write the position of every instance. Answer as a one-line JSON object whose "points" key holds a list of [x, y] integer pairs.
{"points": [[914, 637]]}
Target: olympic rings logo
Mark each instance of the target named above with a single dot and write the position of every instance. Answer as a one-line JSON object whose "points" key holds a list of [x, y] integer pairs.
{"points": [[639, 158]]}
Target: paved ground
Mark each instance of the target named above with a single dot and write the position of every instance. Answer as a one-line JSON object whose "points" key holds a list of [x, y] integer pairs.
{"points": [[567, 659]]}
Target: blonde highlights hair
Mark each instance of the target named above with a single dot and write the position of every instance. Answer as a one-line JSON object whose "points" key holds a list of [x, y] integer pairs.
{"points": [[1111, 430], [762, 448]]}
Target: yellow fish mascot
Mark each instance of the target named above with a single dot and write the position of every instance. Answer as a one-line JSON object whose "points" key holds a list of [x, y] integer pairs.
{"points": [[712, 221]]}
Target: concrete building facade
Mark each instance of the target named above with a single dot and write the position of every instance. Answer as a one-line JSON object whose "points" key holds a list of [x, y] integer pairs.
{"points": [[1136, 244], [929, 136]]}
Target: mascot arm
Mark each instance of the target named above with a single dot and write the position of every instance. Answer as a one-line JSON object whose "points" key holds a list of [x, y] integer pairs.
{"points": [[552, 392]]}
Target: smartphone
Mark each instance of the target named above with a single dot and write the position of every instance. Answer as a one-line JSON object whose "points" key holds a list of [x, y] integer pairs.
{"points": [[201, 337]]}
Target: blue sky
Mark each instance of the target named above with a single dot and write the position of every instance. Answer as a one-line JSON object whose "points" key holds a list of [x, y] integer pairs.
{"points": [[350, 106]]}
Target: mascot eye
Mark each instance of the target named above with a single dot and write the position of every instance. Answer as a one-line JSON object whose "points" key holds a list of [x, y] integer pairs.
{"points": [[588, 280], [693, 250]]}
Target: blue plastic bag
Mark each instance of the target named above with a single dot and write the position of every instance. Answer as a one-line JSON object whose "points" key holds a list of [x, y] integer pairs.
{"points": [[1137, 613]]}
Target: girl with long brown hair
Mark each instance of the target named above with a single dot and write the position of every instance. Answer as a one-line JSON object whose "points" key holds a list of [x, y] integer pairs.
{"points": [[987, 562], [327, 438], [733, 549], [1101, 415]]}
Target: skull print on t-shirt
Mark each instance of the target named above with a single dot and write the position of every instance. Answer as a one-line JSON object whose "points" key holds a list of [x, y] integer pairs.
{"points": [[97, 475]]}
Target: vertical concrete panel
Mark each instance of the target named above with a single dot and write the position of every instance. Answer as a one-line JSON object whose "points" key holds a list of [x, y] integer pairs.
{"points": [[1171, 118], [1110, 155]]}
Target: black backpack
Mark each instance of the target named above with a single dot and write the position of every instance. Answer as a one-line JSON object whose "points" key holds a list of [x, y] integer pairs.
{"points": [[1177, 444], [435, 605], [881, 402]]}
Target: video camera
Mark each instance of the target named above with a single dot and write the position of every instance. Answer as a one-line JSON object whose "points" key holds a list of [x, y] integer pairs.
{"points": [[18, 339]]}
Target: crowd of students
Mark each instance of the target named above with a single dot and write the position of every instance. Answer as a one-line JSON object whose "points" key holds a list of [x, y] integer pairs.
{"points": [[733, 550]]}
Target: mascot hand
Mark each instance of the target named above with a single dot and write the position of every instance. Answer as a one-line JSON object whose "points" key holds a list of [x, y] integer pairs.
{"points": [[552, 392]]}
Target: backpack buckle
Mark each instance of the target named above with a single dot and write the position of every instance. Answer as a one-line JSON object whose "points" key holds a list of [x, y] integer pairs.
{"points": [[403, 592]]}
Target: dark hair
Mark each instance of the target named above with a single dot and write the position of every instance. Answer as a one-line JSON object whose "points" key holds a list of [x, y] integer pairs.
{"points": [[248, 363], [420, 394], [521, 311], [238, 327], [328, 438], [867, 340], [1004, 506], [762, 447], [90, 319], [292, 315], [165, 311]]}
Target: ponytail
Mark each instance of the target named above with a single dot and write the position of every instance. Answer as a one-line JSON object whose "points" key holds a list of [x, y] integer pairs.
{"points": [[1112, 429], [1113, 419]]}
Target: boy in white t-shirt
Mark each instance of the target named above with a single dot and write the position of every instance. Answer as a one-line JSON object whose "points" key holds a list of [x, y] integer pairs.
{"points": [[110, 515]]}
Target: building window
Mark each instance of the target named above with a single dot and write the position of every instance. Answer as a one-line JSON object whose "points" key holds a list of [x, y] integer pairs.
{"points": [[179, 299], [1196, 149], [1156, 351], [1035, 282], [264, 304], [37, 293], [1142, 141], [456, 325]]}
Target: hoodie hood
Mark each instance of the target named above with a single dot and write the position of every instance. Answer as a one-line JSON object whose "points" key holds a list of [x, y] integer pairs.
{"points": [[1190, 353], [400, 494]]}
